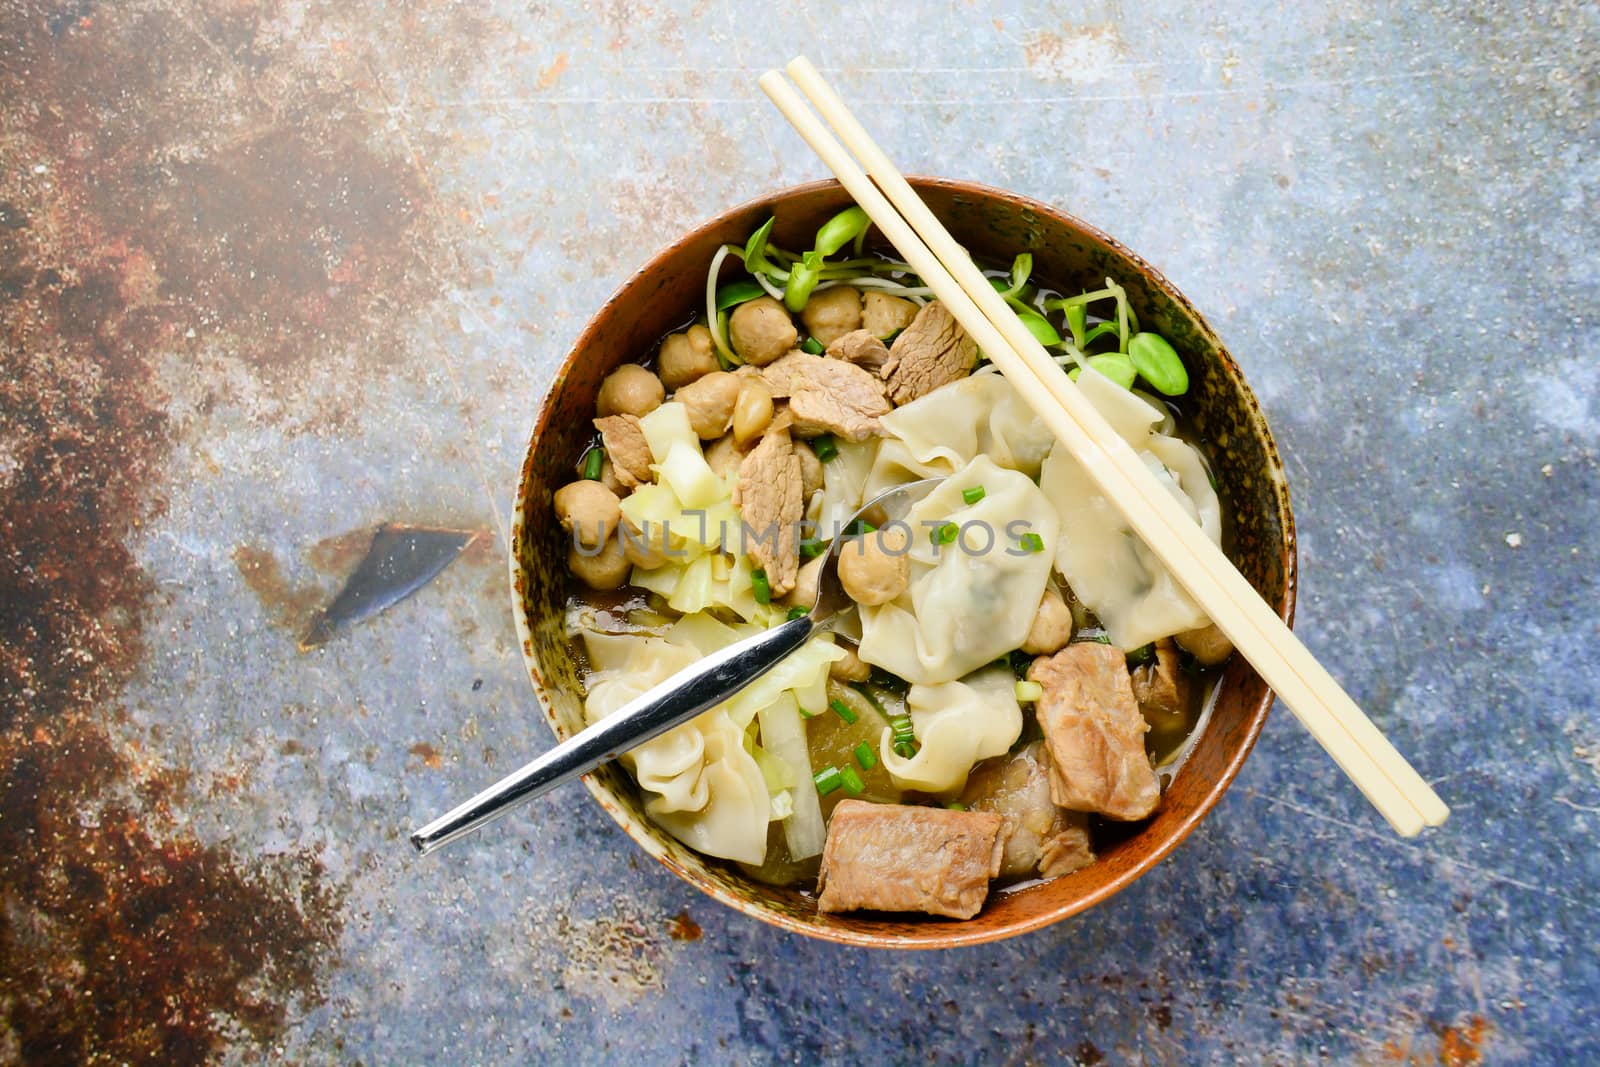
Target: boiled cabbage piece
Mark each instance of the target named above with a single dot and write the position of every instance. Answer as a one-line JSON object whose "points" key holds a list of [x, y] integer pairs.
{"points": [[1103, 560], [971, 601], [956, 724], [942, 432], [703, 780]]}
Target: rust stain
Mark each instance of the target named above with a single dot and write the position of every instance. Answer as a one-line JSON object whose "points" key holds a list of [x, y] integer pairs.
{"points": [[340, 554], [682, 928], [551, 74], [288, 606], [123, 945], [1463, 1046], [179, 184], [427, 754]]}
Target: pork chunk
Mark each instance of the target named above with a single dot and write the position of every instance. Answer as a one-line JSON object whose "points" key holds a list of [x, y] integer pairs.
{"points": [[1038, 836], [828, 396], [1095, 733], [861, 348], [1159, 686], [768, 496], [894, 857], [933, 351], [624, 442]]}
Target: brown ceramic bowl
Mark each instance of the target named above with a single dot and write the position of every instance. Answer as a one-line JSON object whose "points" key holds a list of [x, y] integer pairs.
{"points": [[995, 226]]}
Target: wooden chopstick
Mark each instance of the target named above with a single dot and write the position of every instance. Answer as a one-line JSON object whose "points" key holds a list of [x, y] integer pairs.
{"points": [[1053, 379], [1354, 743]]}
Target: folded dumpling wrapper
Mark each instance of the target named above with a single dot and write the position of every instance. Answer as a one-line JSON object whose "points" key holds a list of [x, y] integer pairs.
{"points": [[1109, 568], [971, 601]]}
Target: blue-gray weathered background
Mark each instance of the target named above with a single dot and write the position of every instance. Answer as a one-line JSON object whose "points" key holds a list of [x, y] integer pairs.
{"points": [[277, 271]]}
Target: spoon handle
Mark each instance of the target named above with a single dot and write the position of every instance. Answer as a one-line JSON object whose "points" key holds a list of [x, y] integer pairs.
{"points": [[674, 702]]}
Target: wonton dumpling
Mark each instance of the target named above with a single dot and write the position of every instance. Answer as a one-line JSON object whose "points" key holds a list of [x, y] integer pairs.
{"points": [[965, 605], [702, 786], [939, 433], [1105, 562], [957, 724]]}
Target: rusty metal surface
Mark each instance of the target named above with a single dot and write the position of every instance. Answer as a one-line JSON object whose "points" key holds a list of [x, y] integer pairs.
{"points": [[273, 273]]}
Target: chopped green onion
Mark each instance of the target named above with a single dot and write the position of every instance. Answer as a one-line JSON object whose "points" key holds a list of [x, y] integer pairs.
{"points": [[804, 714], [973, 495], [1032, 542], [1158, 363], [827, 780], [760, 586], [902, 728], [1040, 327], [841, 230], [1029, 692], [1141, 655], [851, 780], [811, 548], [859, 527], [824, 447], [735, 293], [796, 613], [802, 279], [812, 346], [905, 750], [593, 462], [956, 805], [945, 534], [865, 756], [841, 709]]}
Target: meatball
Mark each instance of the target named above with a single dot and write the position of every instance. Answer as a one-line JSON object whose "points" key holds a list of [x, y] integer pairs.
{"points": [[647, 548], [687, 356], [810, 470], [609, 479], [832, 313], [761, 330], [723, 455], [850, 668], [876, 567], [588, 510], [882, 314], [607, 569], [1052, 626], [709, 402], [629, 390], [1208, 645], [752, 412], [806, 588]]}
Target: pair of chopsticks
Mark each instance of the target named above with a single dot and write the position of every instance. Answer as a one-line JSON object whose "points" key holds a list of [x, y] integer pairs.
{"points": [[1391, 784]]}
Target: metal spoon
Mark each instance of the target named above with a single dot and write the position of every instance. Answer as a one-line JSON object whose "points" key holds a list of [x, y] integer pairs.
{"points": [[675, 701]]}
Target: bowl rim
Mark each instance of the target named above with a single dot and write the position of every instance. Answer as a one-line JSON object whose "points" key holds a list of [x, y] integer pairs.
{"points": [[930, 935]]}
